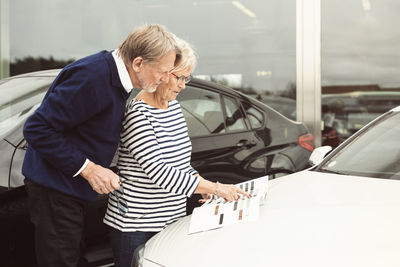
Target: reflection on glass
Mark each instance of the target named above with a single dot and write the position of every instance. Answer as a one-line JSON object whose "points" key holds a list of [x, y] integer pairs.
{"points": [[360, 65], [234, 116], [203, 111], [344, 114], [254, 53], [256, 117], [375, 153]]}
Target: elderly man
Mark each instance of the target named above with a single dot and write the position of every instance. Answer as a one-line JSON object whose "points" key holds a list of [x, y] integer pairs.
{"points": [[73, 135]]}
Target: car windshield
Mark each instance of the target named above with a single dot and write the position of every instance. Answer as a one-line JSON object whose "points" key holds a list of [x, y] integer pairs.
{"points": [[374, 153], [18, 97]]}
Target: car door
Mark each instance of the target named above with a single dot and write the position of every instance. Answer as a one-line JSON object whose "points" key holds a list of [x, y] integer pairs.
{"points": [[221, 136]]}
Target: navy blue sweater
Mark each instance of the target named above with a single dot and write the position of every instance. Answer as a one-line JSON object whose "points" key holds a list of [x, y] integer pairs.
{"points": [[80, 117]]}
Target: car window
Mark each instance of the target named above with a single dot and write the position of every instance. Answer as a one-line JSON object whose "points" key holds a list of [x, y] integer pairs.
{"points": [[255, 116], [374, 153], [202, 110], [196, 126], [18, 97], [234, 115]]}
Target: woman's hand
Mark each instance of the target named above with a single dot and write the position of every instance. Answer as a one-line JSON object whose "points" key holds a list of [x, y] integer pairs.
{"points": [[229, 192]]}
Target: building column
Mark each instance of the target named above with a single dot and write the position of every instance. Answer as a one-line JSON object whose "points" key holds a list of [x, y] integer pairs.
{"points": [[308, 64]]}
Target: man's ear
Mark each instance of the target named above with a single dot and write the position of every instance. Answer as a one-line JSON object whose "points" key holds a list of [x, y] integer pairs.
{"points": [[137, 64]]}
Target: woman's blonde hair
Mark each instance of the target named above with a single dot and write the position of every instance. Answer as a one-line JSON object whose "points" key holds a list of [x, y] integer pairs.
{"points": [[151, 42], [188, 56]]}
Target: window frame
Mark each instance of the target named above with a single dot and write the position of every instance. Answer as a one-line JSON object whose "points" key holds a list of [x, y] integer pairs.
{"points": [[241, 109], [238, 99], [263, 114]]}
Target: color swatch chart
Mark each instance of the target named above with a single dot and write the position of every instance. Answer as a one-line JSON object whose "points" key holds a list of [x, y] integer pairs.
{"points": [[217, 212]]}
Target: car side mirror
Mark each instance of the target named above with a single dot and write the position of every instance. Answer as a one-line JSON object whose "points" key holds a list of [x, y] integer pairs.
{"points": [[318, 155]]}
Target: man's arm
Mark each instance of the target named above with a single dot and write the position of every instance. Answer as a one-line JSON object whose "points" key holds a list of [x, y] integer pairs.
{"points": [[71, 101]]}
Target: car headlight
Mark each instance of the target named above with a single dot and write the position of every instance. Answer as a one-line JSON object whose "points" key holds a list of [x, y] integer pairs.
{"points": [[138, 256]]}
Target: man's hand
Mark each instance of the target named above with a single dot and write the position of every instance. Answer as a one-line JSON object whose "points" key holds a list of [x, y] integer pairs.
{"points": [[101, 179]]}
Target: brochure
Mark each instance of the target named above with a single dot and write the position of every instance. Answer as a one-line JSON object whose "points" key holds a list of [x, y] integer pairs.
{"points": [[216, 212]]}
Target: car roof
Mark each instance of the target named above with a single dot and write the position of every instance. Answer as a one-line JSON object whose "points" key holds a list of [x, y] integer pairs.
{"points": [[215, 86], [194, 81], [42, 73], [396, 109], [309, 219], [219, 88]]}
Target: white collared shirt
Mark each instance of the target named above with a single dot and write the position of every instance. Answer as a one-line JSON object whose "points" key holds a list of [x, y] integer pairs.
{"points": [[122, 72]]}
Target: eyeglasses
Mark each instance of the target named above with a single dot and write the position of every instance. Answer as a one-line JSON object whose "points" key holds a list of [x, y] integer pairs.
{"points": [[182, 78]]}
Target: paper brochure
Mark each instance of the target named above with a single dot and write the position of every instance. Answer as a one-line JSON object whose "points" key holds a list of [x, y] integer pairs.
{"points": [[217, 212]]}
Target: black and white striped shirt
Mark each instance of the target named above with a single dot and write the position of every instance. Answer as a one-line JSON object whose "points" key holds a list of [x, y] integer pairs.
{"points": [[154, 163]]}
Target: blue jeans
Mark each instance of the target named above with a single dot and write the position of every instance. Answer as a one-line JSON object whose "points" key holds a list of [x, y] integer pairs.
{"points": [[124, 244]]}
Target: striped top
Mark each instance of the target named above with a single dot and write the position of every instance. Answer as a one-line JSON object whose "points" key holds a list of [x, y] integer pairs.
{"points": [[154, 163]]}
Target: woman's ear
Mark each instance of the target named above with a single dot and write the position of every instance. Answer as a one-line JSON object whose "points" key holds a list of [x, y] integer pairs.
{"points": [[137, 64]]}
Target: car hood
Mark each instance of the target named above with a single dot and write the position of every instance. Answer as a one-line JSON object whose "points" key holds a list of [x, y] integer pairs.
{"points": [[309, 219]]}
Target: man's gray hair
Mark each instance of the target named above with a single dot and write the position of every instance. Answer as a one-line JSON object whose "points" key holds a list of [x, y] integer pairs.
{"points": [[150, 42], [188, 56]]}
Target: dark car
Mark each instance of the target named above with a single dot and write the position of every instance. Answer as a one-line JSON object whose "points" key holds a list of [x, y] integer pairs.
{"points": [[234, 137]]}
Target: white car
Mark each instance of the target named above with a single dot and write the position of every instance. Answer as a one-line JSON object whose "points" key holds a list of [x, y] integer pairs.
{"points": [[345, 211]]}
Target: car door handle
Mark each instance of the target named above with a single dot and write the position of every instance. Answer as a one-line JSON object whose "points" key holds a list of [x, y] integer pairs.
{"points": [[246, 143]]}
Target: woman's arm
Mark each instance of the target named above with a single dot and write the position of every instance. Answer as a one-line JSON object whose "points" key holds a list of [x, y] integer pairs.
{"points": [[227, 191], [139, 137]]}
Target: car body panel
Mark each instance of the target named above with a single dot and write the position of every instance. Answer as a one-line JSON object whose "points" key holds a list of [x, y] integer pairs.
{"points": [[309, 219]]}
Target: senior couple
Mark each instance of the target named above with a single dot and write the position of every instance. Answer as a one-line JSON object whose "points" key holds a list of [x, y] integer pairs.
{"points": [[74, 134]]}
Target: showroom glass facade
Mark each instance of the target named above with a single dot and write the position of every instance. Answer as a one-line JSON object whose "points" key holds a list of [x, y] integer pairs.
{"points": [[360, 56], [249, 45]]}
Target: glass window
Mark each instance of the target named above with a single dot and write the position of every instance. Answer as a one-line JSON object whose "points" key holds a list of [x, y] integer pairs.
{"points": [[255, 116], [252, 49], [202, 110], [360, 64], [234, 115], [375, 153]]}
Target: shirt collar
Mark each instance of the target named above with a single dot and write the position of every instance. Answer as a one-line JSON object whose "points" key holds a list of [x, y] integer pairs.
{"points": [[122, 72]]}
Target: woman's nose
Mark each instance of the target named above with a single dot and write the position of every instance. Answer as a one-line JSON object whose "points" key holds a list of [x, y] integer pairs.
{"points": [[182, 85]]}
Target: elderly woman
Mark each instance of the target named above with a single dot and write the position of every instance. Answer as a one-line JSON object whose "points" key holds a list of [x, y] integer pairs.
{"points": [[154, 163]]}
